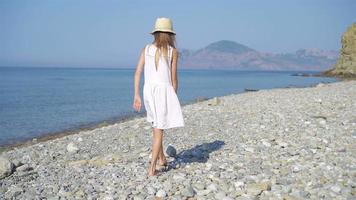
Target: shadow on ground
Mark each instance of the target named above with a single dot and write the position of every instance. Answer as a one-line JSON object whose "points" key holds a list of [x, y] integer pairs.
{"points": [[199, 153]]}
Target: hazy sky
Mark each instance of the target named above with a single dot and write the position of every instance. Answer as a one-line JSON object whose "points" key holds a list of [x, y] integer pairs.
{"points": [[108, 33]]}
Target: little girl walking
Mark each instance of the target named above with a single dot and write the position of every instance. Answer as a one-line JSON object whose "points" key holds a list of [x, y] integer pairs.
{"points": [[159, 62]]}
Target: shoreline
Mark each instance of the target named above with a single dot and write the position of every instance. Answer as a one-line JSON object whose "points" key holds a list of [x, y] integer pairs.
{"points": [[120, 119], [70, 131]]}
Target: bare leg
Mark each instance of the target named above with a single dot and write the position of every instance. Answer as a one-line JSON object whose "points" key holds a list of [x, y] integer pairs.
{"points": [[156, 146], [162, 157]]}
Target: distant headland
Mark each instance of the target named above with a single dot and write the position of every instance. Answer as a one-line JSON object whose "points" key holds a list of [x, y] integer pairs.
{"points": [[232, 55]]}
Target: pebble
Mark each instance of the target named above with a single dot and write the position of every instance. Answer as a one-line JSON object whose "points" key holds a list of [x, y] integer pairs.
{"points": [[188, 191], [336, 189], [72, 148], [24, 168], [214, 102], [171, 151], [6, 167], [161, 193], [13, 192], [151, 190], [220, 195], [212, 187], [179, 177]]}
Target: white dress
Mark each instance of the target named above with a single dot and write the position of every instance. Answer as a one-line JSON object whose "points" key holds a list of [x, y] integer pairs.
{"points": [[160, 100]]}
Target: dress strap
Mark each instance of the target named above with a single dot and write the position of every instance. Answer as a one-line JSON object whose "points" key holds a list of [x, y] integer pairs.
{"points": [[147, 49]]}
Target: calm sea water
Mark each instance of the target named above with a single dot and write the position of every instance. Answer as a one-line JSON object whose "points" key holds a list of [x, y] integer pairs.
{"points": [[39, 101]]}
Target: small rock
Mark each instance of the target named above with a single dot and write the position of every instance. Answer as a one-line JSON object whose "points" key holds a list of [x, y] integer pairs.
{"points": [[208, 166], [72, 148], [200, 99], [151, 190], [13, 192], [318, 101], [253, 191], [281, 143], [188, 191], [353, 191], [320, 85], [354, 135], [171, 151], [80, 194], [257, 188], [322, 121], [161, 193], [17, 163], [239, 184], [138, 197], [267, 144], [202, 192], [245, 197], [290, 197], [215, 101], [179, 177], [24, 168], [297, 168], [6, 167], [136, 126], [220, 195], [199, 186], [212, 187], [250, 149], [336, 189]]}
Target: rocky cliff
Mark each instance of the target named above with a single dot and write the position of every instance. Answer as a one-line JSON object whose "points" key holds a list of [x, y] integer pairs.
{"points": [[226, 54], [346, 64]]}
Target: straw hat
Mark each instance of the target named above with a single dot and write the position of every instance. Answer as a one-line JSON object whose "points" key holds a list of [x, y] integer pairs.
{"points": [[164, 25]]}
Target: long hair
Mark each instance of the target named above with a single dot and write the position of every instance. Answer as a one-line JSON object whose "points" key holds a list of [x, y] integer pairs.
{"points": [[163, 40]]}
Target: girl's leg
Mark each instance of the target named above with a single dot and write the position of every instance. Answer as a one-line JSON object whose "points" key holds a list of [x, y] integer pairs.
{"points": [[156, 146], [162, 157]]}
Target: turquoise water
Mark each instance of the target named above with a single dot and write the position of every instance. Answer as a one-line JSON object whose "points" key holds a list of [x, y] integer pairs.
{"points": [[40, 101]]}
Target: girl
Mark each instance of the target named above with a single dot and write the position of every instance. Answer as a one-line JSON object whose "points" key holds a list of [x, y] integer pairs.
{"points": [[159, 61]]}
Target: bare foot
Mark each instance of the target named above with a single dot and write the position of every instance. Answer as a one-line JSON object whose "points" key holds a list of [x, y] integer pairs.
{"points": [[152, 173], [163, 161]]}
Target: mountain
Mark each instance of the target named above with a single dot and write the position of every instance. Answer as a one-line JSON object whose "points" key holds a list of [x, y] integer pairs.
{"points": [[226, 54], [346, 64]]}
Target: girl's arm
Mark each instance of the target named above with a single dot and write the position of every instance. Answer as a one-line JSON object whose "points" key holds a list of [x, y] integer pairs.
{"points": [[174, 70], [139, 68]]}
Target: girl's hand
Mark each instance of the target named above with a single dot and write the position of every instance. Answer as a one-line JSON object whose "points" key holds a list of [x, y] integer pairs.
{"points": [[137, 103]]}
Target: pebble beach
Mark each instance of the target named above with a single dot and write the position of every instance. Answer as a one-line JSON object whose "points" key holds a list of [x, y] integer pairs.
{"points": [[286, 143]]}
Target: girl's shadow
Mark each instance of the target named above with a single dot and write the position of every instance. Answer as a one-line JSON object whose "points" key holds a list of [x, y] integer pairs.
{"points": [[199, 153]]}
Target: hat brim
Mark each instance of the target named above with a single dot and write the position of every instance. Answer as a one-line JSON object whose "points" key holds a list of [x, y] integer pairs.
{"points": [[163, 30]]}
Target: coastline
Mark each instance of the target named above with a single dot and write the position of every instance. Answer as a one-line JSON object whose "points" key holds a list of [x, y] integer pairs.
{"points": [[281, 143], [75, 130], [120, 119]]}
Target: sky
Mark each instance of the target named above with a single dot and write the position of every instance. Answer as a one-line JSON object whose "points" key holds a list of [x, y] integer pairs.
{"points": [[111, 33]]}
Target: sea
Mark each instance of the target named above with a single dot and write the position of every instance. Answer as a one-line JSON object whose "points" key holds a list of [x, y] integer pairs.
{"points": [[37, 101]]}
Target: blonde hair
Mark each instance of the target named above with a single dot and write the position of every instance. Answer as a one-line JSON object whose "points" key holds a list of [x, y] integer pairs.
{"points": [[163, 40]]}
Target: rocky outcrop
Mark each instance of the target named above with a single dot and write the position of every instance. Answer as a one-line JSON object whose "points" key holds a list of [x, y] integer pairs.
{"points": [[346, 64]]}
